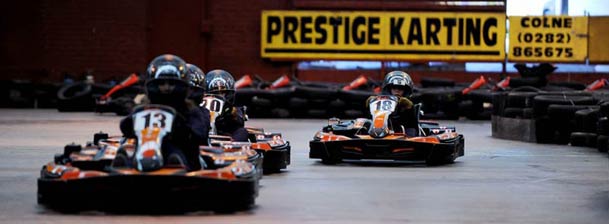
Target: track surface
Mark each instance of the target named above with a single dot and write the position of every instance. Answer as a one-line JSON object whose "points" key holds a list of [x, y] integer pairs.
{"points": [[497, 181]]}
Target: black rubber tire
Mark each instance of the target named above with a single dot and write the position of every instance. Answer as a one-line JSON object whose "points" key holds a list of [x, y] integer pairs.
{"points": [[482, 95], [337, 103], [541, 102], [586, 120], [244, 96], [336, 108], [527, 113], [560, 112], [261, 102], [602, 143], [353, 114], [282, 95], [499, 103], [545, 131], [315, 92], [330, 161], [520, 99], [358, 97], [513, 112], [317, 113], [441, 103], [17, 94], [556, 89], [46, 95], [604, 109], [583, 139], [297, 103], [280, 113], [526, 89], [602, 126], [568, 93], [70, 148], [99, 136], [570, 85], [427, 82], [563, 118], [527, 81], [75, 97]]}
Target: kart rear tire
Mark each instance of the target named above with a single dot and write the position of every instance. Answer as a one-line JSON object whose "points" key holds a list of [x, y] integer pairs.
{"points": [[70, 148], [331, 161], [438, 162]]}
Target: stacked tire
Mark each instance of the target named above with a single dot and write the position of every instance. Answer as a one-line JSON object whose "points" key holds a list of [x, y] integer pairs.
{"points": [[439, 102], [563, 117], [79, 96]]}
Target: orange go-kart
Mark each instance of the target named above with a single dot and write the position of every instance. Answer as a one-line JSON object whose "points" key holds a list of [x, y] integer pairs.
{"points": [[375, 139], [131, 175], [271, 145]]}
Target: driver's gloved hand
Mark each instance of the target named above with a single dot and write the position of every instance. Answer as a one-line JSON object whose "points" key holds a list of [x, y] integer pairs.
{"points": [[404, 104]]}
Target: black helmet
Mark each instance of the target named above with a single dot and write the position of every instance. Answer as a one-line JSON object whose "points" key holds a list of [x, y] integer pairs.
{"points": [[196, 77], [222, 83], [196, 80], [163, 69], [398, 79]]}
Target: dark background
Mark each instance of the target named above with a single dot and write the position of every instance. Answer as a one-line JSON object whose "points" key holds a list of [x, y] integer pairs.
{"points": [[41, 40]]}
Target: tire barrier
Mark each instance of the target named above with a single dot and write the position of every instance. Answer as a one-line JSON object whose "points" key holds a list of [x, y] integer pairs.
{"points": [[26, 94], [427, 82], [75, 97], [575, 117]]}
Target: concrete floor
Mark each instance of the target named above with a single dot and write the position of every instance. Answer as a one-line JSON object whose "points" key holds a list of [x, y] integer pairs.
{"points": [[497, 181]]}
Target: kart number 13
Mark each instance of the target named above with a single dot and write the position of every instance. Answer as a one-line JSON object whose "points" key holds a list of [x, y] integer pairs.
{"points": [[153, 119]]}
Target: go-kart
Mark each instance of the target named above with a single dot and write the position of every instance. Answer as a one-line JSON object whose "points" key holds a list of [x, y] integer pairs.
{"points": [[131, 174], [376, 139], [274, 149]]}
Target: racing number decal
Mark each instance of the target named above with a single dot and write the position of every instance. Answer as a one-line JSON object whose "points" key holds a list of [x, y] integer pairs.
{"points": [[212, 104], [159, 120], [153, 118], [386, 105], [382, 105]]}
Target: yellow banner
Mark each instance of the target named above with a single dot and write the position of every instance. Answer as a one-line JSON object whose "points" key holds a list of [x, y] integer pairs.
{"points": [[548, 38], [415, 36]]}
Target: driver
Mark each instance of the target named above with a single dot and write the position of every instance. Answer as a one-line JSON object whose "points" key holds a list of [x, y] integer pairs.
{"points": [[167, 83], [196, 79], [399, 83], [231, 121]]}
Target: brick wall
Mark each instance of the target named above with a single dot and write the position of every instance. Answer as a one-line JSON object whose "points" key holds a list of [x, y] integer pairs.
{"points": [[235, 38], [20, 40], [42, 39], [103, 37]]}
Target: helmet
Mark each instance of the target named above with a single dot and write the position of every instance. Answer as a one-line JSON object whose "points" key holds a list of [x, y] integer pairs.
{"points": [[167, 66], [398, 79], [196, 81], [220, 82], [166, 69], [196, 77]]}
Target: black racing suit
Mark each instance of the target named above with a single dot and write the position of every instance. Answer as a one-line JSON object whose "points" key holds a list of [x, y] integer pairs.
{"points": [[232, 123], [190, 129]]}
